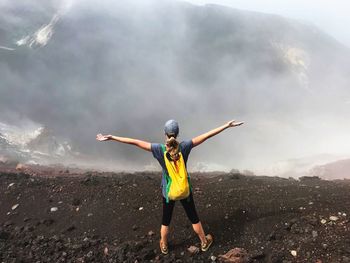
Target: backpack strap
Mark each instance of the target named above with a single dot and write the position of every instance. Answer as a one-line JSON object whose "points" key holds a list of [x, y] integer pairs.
{"points": [[163, 148], [166, 176]]}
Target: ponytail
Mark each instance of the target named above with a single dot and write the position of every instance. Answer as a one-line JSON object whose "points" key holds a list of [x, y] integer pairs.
{"points": [[172, 147]]}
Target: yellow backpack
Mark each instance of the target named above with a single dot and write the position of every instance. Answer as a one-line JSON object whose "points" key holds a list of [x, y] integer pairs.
{"points": [[178, 181]]}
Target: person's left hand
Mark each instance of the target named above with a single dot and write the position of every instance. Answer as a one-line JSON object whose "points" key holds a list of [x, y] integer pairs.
{"points": [[233, 123]]}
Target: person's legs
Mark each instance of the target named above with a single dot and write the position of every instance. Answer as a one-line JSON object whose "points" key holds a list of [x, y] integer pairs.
{"points": [[191, 213], [167, 214]]}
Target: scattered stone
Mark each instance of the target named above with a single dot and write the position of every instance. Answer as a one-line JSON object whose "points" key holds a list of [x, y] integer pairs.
{"points": [[141, 208], [323, 221], [105, 251], [333, 218], [70, 228], [193, 250], [213, 258], [47, 222], [150, 233], [90, 214], [14, 206], [76, 202], [235, 255], [53, 209], [11, 184], [258, 255], [294, 253], [4, 235], [8, 223]]}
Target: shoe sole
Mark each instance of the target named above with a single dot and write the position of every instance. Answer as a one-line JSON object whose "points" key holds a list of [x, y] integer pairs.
{"points": [[206, 249], [163, 251]]}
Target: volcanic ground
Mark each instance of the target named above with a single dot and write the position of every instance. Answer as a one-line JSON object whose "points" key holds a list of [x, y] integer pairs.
{"points": [[115, 217]]}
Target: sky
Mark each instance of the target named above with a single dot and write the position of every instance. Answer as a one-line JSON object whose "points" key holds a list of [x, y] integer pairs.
{"points": [[331, 16]]}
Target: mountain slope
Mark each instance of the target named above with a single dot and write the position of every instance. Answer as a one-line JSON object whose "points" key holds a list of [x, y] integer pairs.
{"points": [[116, 67]]}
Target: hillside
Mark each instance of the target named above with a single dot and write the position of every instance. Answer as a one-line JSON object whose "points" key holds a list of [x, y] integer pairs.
{"points": [[116, 67]]}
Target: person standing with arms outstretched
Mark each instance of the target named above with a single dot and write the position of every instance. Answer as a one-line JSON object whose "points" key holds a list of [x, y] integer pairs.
{"points": [[176, 184]]}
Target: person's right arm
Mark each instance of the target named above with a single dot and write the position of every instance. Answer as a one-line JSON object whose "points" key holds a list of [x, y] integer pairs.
{"points": [[139, 143]]}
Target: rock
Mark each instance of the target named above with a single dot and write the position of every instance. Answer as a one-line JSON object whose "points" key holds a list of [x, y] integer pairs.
{"points": [[323, 221], [345, 259], [53, 209], [28, 229], [257, 255], [293, 253], [11, 184], [4, 235], [213, 258], [235, 255], [14, 206], [150, 233], [8, 223], [70, 228], [105, 251], [333, 218], [20, 166], [272, 236], [26, 219], [140, 208], [76, 202], [193, 250], [90, 214], [47, 222], [147, 253]]}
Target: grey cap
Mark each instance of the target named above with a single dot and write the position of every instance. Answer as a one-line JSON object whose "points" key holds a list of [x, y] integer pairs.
{"points": [[171, 127]]}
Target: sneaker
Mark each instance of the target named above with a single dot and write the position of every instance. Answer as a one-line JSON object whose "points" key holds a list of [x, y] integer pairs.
{"points": [[163, 248], [208, 243]]}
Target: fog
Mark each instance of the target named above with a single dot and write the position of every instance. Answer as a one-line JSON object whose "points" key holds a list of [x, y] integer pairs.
{"points": [[81, 68], [331, 16]]}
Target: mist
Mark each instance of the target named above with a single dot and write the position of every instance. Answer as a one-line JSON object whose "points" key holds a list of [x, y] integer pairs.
{"points": [[81, 68]]}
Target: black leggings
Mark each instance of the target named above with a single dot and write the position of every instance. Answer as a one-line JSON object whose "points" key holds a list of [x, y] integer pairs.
{"points": [[188, 205]]}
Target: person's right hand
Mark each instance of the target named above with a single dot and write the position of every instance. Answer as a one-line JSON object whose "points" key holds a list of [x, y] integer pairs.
{"points": [[102, 138]]}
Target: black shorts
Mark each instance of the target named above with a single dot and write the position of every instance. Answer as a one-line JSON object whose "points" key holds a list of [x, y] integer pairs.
{"points": [[188, 205]]}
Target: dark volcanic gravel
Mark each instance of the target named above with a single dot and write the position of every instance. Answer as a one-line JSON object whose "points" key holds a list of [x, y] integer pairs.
{"points": [[116, 218]]}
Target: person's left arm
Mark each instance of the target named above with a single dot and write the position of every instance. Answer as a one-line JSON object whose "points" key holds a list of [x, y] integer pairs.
{"points": [[201, 138]]}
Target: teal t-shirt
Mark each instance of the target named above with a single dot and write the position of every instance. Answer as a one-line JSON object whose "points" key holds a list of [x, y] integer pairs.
{"points": [[185, 146]]}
